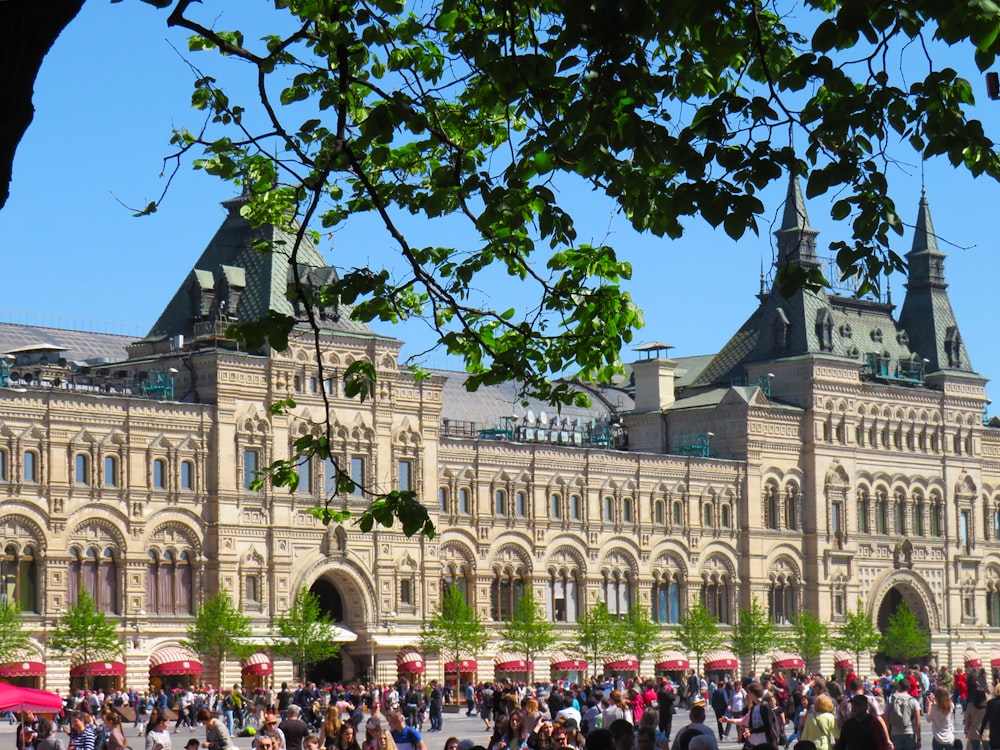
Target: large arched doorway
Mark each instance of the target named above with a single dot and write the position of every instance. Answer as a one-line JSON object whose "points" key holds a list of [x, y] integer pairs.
{"points": [[337, 594], [899, 594]]}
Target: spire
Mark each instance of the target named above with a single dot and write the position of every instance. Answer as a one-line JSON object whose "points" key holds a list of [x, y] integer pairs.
{"points": [[796, 238], [927, 315]]}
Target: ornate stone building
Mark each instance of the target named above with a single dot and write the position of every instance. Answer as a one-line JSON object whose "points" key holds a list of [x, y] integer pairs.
{"points": [[828, 453]]}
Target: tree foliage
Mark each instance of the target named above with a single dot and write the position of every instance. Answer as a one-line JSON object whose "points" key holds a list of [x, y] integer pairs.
{"points": [[85, 634], [455, 629], [904, 640], [755, 633], [598, 634], [528, 632], [857, 635], [642, 634], [217, 630], [13, 637], [306, 633], [698, 633], [809, 636]]}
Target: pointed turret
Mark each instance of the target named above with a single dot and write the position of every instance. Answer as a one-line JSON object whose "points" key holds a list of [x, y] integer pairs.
{"points": [[927, 316], [796, 238]]}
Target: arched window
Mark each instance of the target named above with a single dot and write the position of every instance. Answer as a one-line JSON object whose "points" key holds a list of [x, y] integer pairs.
{"points": [[30, 466], [863, 510], [899, 508], [782, 598], [881, 512], [667, 598], [505, 593], [81, 470], [574, 507], [707, 513], [918, 515], [4, 466], [678, 513], [616, 592], [555, 507], [609, 509], [456, 576], [627, 510], [658, 512], [520, 504], [727, 521], [500, 503], [153, 584], [792, 507], [771, 506], [96, 571], [305, 475], [936, 525], [443, 499], [463, 501], [159, 474], [716, 597], [564, 595], [27, 581]]}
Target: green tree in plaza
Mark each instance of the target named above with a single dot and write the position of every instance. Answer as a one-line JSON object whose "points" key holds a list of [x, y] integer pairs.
{"points": [[642, 635], [528, 631], [13, 637], [698, 633], [455, 629], [808, 637], [86, 634], [755, 633], [904, 640], [305, 633], [597, 635], [218, 630], [857, 635]]}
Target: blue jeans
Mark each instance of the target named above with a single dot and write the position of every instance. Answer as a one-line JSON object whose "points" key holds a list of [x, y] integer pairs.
{"points": [[904, 741], [229, 721]]}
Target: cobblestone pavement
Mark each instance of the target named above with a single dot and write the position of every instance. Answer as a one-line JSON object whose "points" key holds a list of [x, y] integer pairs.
{"points": [[457, 725]]}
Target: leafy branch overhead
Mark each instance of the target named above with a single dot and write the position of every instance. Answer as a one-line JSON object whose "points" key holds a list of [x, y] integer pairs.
{"points": [[446, 114]]}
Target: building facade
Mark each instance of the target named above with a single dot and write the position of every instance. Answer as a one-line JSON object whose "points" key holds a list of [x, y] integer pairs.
{"points": [[829, 453]]}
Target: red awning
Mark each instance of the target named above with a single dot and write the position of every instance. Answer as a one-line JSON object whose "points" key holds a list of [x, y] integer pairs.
{"points": [[622, 665], [22, 669], [409, 661], [784, 660], [972, 659], [173, 660], [465, 666], [258, 664], [721, 661], [570, 665], [511, 663], [995, 657], [842, 660], [672, 661], [99, 669]]}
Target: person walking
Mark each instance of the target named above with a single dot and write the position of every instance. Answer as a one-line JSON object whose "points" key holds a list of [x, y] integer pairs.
{"points": [[903, 711], [861, 730], [217, 735], [991, 720], [975, 710], [720, 705]]}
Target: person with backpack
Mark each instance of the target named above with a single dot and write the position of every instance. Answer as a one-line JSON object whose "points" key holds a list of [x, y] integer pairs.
{"points": [[903, 712], [861, 730]]}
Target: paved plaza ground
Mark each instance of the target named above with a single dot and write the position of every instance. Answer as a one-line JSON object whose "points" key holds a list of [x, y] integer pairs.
{"points": [[457, 725]]}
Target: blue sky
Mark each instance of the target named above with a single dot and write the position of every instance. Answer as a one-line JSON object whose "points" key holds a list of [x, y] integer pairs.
{"points": [[116, 83]]}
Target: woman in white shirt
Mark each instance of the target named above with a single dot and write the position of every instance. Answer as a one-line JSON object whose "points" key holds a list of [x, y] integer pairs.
{"points": [[941, 719], [158, 731]]}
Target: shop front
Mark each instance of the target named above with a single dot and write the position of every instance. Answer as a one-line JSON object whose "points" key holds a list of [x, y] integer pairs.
{"points": [[23, 673], [103, 675], [258, 672], [568, 669], [174, 667]]}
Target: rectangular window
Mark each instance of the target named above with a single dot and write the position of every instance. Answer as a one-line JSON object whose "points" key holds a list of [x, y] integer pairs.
{"points": [[559, 601], [305, 475], [963, 530], [499, 501], [996, 524], [835, 519], [30, 468], [358, 475], [251, 462], [406, 591], [253, 590], [574, 507], [554, 510], [443, 498], [110, 471], [330, 476], [3, 465], [405, 476], [159, 474], [187, 475], [80, 469], [463, 500], [520, 503]]}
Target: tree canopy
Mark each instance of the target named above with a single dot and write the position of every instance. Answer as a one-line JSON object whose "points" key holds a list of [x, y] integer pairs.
{"points": [[857, 635], [904, 639], [86, 634], [698, 633], [306, 633], [528, 632], [755, 633], [446, 114], [454, 630], [217, 630]]}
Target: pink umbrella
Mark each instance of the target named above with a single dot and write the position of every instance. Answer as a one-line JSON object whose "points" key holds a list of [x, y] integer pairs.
{"points": [[14, 698]]}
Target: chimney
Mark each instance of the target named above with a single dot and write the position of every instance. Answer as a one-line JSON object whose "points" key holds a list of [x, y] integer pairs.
{"points": [[654, 378]]}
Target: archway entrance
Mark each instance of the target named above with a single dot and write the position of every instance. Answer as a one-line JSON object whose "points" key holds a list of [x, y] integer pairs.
{"points": [[899, 594], [331, 603]]}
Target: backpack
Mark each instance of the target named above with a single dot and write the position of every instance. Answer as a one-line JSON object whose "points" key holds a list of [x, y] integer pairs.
{"points": [[901, 715], [769, 723]]}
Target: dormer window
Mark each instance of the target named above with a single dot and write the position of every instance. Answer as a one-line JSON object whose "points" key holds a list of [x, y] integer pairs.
{"points": [[953, 346], [845, 331], [824, 330], [779, 330], [876, 335]]}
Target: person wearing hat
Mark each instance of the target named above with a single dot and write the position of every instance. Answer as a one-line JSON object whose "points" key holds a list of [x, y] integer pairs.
{"points": [[269, 732], [373, 727]]}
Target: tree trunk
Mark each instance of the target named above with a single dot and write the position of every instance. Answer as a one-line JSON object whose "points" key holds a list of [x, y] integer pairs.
{"points": [[28, 28]]}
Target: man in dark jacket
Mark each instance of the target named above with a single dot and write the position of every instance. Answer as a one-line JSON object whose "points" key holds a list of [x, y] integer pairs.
{"points": [[720, 704], [665, 699]]}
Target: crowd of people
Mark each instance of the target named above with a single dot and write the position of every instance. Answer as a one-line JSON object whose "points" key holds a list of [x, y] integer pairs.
{"points": [[797, 710]]}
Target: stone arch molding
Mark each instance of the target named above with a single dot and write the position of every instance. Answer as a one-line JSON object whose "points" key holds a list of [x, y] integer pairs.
{"points": [[353, 582], [912, 581]]}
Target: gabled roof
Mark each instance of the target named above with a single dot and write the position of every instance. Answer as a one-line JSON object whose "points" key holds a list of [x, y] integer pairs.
{"points": [[73, 345]]}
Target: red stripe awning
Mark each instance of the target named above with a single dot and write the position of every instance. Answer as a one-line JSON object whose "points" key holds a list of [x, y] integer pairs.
{"points": [[995, 657], [784, 660], [570, 665], [409, 661], [258, 664], [842, 660], [511, 663], [99, 669], [672, 661], [22, 669], [622, 665], [972, 658], [721, 661], [173, 660], [465, 666]]}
